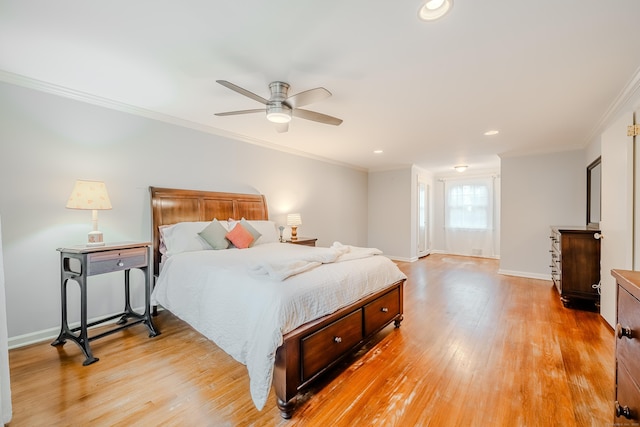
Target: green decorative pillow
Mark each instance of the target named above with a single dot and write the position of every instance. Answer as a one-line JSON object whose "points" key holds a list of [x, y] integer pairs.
{"points": [[214, 234], [251, 229], [240, 237]]}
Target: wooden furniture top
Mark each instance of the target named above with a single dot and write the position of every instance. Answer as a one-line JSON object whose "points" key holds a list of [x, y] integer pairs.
{"points": [[575, 228], [307, 241], [630, 280], [170, 206], [84, 249]]}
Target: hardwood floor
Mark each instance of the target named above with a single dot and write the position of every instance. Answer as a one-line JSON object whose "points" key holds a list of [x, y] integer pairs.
{"points": [[475, 349]]}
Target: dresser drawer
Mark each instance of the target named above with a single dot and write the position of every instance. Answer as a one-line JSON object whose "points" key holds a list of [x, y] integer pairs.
{"points": [[326, 345], [627, 395], [628, 347], [380, 311], [108, 261]]}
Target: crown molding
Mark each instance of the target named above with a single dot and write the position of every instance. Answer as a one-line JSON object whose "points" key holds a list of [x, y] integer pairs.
{"points": [[54, 89], [621, 103]]}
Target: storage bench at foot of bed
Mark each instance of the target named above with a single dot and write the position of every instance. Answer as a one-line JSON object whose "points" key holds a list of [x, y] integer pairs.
{"points": [[311, 349]]}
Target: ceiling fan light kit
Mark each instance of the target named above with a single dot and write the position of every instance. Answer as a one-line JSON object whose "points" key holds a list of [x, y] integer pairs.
{"points": [[278, 112], [434, 9], [281, 107]]}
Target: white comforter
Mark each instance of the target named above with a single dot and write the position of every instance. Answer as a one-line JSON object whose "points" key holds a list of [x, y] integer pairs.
{"points": [[231, 297]]}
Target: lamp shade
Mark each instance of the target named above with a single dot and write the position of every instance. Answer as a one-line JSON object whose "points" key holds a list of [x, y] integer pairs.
{"points": [[294, 219], [89, 195]]}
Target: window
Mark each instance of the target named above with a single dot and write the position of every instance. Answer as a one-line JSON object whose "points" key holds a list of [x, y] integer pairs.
{"points": [[471, 220], [468, 206]]}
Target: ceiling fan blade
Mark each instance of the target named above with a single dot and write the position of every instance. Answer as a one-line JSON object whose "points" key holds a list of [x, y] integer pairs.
{"points": [[307, 97], [282, 127], [242, 91], [235, 113], [316, 117]]}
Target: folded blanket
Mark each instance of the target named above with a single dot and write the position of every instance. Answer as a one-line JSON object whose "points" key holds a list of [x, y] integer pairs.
{"points": [[354, 252], [281, 269]]}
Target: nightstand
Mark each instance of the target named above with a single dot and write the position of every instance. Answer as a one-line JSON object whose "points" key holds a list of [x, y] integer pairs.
{"points": [[79, 262], [306, 241]]}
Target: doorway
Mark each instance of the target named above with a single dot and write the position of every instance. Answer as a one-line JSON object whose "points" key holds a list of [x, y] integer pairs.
{"points": [[424, 237]]}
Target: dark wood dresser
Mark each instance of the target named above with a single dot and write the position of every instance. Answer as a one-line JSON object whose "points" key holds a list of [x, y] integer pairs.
{"points": [[627, 404], [575, 264]]}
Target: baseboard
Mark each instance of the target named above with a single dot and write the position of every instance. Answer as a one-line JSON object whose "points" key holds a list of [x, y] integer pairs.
{"points": [[52, 333], [34, 337], [438, 251], [525, 274]]}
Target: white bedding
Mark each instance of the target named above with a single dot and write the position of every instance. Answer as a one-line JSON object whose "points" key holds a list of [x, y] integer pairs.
{"points": [[229, 297]]}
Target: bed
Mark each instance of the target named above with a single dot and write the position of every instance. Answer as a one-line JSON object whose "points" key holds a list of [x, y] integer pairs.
{"points": [[288, 312]]}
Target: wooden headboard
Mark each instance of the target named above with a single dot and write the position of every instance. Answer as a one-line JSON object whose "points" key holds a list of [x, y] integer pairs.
{"points": [[170, 206]]}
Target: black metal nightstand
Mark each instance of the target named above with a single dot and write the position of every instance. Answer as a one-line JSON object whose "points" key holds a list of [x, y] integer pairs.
{"points": [[91, 261]]}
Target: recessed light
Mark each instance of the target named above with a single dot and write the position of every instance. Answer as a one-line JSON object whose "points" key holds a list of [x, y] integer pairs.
{"points": [[434, 9], [491, 132], [377, 151], [460, 168]]}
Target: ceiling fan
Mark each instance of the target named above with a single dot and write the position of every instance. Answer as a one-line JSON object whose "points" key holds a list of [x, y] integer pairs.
{"points": [[280, 107]]}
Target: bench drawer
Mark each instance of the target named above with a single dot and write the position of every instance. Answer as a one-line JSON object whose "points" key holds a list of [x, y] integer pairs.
{"points": [[380, 311], [321, 348]]}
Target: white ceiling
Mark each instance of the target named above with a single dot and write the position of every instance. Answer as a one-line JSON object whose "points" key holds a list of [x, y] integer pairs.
{"points": [[545, 73]]}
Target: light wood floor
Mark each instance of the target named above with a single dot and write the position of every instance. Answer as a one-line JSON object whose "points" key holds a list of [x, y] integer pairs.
{"points": [[474, 349]]}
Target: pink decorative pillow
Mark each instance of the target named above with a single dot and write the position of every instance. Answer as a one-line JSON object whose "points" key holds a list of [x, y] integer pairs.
{"points": [[240, 237]]}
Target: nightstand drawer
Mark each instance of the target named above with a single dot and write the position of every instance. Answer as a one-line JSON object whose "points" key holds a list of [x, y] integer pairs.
{"points": [[125, 259]]}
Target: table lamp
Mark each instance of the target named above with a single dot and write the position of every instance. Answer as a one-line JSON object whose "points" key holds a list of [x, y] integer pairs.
{"points": [[294, 220], [90, 195]]}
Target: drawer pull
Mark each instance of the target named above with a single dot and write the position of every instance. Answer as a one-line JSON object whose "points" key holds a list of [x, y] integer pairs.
{"points": [[337, 340], [623, 411], [120, 263], [622, 331], [384, 310]]}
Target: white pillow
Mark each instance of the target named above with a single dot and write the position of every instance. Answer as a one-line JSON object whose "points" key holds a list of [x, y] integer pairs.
{"points": [[183, 237], [268, 229]]}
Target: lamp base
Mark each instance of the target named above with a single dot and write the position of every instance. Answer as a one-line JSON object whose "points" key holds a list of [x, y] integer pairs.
{"points": [[294, 232], [95, 238]]}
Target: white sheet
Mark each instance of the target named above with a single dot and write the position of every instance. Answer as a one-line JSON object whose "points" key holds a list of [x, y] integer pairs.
{"points": [[246, 315]]}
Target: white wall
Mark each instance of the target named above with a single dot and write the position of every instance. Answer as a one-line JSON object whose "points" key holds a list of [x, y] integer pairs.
{"points": [[390, 213], [538, 191], [47, 142], [393, 211], [592, 151]]}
